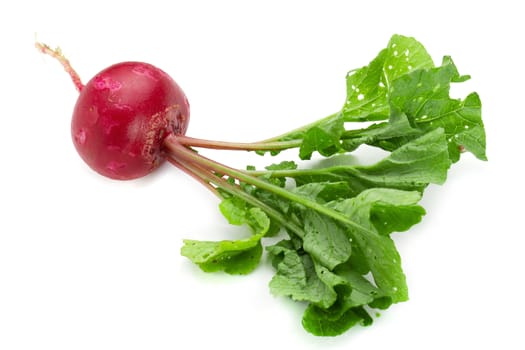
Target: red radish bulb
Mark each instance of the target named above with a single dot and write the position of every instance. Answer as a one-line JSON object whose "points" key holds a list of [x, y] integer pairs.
{"points": [[122, 116]]}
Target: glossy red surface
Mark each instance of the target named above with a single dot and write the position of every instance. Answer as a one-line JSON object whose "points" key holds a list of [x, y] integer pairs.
{"points": [[123, 115]]}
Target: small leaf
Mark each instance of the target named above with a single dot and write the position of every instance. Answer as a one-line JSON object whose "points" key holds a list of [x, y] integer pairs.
{"points": [[323, 137], [349, 310], [234, 210], [323, 323], [325, 240], [284, 165], [323, 192], [238, 212], [233, 257], [298, 277]]}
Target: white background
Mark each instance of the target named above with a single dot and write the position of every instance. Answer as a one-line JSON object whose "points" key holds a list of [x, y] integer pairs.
{"points": [[90, 263]]}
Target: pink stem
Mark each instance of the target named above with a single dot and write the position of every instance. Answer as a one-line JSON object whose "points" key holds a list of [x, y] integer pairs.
{"points": [[183, 167], [241, 146]]}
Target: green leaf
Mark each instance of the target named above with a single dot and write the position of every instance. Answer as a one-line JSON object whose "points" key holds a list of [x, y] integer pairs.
{"points": [[388, 218], [423, 96], [339, 257], [367, 94], [238, 212], [412, 166], [233, 257], [368, 87], [419, 102], [327, 323], [392, 210], [385, 265], [325, 240], [401, 85], [234, 210], [388, 135], [323, 137], [378, 249], [416, 164], [363, 292], [349, 308], [323, 192], [298, 277], [284, 165]]}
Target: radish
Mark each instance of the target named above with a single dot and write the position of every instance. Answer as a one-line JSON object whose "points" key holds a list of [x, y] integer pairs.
{"points": [[337, 255], [122, 116]]}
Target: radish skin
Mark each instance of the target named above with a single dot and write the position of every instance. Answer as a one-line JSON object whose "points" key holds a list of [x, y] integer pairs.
{"points": [[122, 116]]}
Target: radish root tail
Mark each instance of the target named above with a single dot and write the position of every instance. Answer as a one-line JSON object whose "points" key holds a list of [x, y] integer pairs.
{"points": [[57, 54]]}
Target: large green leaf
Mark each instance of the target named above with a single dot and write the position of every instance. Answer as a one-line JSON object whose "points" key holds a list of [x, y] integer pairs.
{"points": [[367, 88]]}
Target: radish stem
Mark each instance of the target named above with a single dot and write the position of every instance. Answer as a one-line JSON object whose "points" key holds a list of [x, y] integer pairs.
{"points": [[181, 152], [241, 146], [205, 176], [185, 169]]}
